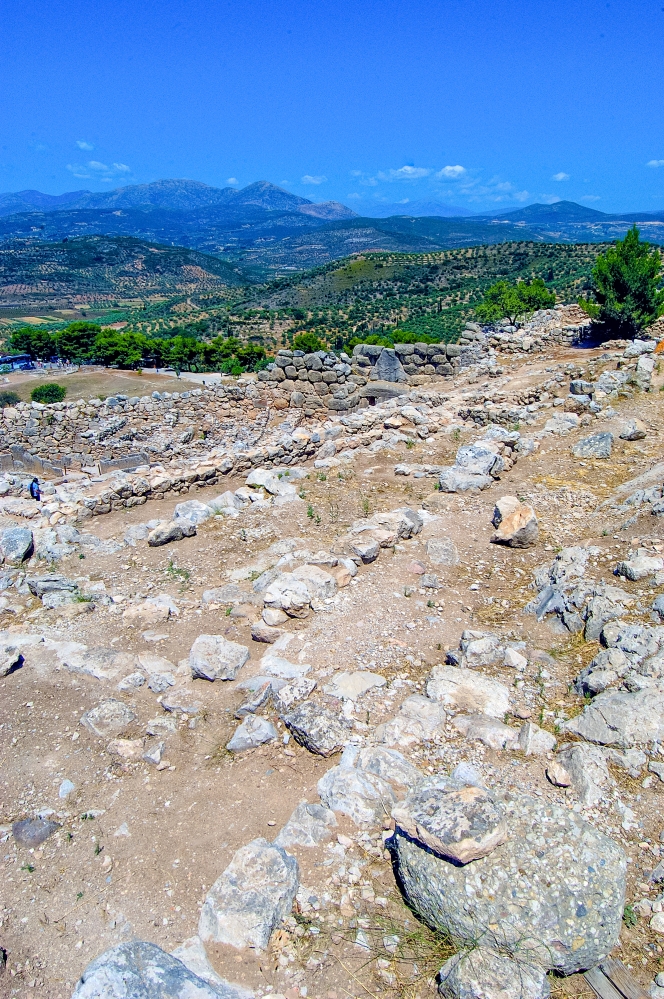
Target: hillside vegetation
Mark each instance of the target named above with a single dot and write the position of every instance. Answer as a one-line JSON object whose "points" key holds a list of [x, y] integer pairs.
{"points": [[103, 270], [384, 295], [432, 294]]}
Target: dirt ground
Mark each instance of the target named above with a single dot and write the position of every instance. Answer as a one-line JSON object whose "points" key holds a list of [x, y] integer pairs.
{"points": [[138, 847], [96, 382]]}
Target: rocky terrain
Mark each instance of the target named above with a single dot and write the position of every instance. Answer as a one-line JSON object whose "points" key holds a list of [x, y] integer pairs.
{"points": [[339, 699]]}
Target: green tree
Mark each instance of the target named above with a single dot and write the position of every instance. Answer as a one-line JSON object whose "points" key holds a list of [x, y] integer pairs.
{"points": [[39, 343], [75, 342], [627, 286], [308, 342], [184, 353], [126, 350], [49, 392], [513, 301]]}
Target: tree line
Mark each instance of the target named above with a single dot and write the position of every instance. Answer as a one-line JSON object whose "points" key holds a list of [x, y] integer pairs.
{"points": [[88, 343]]}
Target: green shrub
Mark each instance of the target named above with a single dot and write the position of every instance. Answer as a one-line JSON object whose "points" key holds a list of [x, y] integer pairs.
{"points": [[50, 392], [8, 398], [308, 342]]}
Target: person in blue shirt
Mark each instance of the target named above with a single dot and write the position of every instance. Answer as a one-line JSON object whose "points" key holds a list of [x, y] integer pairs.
{"points": [[34, 489]]}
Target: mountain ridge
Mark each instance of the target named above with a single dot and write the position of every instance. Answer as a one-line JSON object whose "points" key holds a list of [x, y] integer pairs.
{"points": [[174, 195]]}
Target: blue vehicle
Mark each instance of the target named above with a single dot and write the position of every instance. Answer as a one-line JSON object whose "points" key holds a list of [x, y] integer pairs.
{"points": [[16, 362]]}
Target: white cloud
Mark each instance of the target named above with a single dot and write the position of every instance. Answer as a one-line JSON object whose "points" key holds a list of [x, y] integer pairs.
{"points": [[560, 176], [356, 173], [655, 163], [96, 170], [549, 199], [308, 179], [590, 197], [82, 144], [451, 172], [405, 173], [232, 180]]}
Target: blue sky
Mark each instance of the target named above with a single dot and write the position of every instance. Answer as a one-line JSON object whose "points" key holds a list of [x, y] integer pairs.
{"points": [[486, 104]]}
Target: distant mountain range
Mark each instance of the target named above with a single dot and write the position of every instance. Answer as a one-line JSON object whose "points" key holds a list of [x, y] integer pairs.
{"points": [[271, 230], [174, 195]]}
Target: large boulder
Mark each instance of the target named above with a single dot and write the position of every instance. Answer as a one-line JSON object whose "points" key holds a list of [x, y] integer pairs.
{"points": [[140, 970], [553, 893], [252, 896], [458, 823], [458, 480], [213, 657], [388, 367], [480, 458]]}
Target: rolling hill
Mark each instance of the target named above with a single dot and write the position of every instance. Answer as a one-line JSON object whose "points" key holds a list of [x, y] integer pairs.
{"points": [[102, 270], [271, 231]]}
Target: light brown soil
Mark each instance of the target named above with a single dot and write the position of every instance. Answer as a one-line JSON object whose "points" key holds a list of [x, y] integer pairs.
{"points": [[60, 907]]}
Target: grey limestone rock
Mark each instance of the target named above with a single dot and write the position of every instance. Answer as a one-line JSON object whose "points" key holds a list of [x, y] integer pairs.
{"points": [[489, 731], [292, 693], [363, 796], [639, 567], [192, 511], [288, 593], [388, 367], [587, 767], [109, 718], [595, 446], [388, 764], [171, 531], [621, 718], [309, 825], [553, 893], [459, 480], [192, 954], [442, 551], [213, 657], [16, 544], [483, 973], [248, 901], [317, 729], [141, 970], [10, 658], [419, 719], [253, 731], [51, 582], [466, 690], [459, 823]]}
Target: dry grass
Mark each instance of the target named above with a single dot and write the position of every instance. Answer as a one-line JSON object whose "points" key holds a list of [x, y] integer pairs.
{"points": [[98, 383]]}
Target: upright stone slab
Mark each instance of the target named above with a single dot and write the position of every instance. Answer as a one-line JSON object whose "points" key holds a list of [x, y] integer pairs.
{"points": [[248, 901]]}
